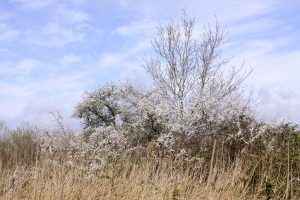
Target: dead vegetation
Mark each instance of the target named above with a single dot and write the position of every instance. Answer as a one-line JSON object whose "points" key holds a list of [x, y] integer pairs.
{"points": [[149, 172]]}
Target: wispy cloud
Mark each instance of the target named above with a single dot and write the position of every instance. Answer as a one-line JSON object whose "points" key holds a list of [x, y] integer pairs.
{"points": [[54, 35], [64, 14], [7, 33], [32, 101], [137, 28], [5, 15], [69, 59], [51, 50], [34, 4], [279, 102]]}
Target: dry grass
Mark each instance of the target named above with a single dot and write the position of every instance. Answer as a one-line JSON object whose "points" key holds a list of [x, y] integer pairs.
{"points": [[17, 147], [150, 179], [144, 173]]}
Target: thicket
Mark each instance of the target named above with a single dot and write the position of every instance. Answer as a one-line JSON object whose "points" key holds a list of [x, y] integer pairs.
{"points": [[192, 135], [58, 164]]}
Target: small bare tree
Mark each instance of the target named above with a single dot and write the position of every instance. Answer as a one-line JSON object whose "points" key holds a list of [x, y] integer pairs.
{"points": [[188, 67]]}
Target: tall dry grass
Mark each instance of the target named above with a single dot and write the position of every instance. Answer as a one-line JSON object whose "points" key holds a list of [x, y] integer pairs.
{"points": [[129, 177], [18, 147], [148, 172]]}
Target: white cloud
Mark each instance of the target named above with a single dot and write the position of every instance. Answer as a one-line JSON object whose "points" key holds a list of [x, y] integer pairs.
{"points": [[32, 100], [5, 68], [279, 103], [20, 70], [276, 75], [36, 112], [78, 2], [7, 51], [7, 33], [124, 60], [108, 60], [65, 23], [272, 68], [37, 107], [28, 64], [239, 10], [34, 4], [137, 28], [54, 35], [258, 27], [12, 90], [127, 65], [5, 15], [68, 15], [288, 95], [69, 59], [24, 85], [258, 36], [203, 10]]}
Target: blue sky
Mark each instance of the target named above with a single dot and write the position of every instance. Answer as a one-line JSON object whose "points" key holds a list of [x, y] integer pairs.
{"points": [[51, 51]]}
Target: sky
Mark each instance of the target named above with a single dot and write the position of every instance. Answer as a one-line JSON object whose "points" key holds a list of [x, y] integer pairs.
{"points": [[51, 51]]}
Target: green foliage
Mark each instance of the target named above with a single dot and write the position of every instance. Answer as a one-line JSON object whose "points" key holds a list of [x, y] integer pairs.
{"points": [[176, 194], [269, 190]]}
